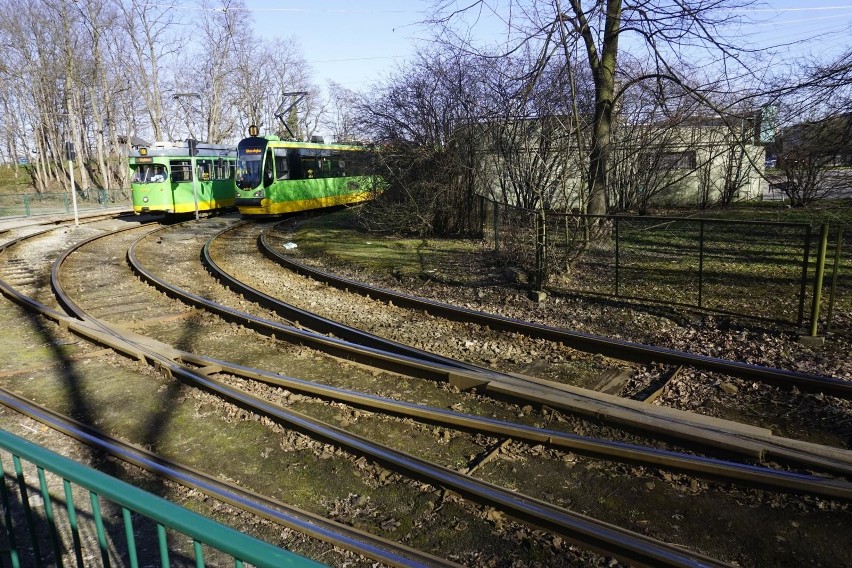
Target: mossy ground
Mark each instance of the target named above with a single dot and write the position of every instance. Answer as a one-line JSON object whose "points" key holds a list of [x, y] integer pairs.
{"points": [[741, 274]]}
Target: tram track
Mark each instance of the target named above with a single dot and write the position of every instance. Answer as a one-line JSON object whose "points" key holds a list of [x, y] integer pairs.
{"points": [[371, 546], [137, 347], [589, 532], [267, 301], [618, 349], [409, 364], [199, 369], [753, 443]]}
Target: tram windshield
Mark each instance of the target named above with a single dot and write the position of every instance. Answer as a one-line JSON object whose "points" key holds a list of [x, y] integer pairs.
{"points": [[149, 173], [248, 171], [249, 161]]}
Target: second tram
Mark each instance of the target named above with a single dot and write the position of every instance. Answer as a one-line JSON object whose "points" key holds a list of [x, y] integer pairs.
{"points": [[166, 177], [277, 176]]}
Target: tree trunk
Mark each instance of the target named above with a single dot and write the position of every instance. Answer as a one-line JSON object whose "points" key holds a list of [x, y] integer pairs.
{"points": [[603, 66]]}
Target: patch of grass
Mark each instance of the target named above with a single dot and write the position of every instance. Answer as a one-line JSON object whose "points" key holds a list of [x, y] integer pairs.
{"points": [[338, 236], [749, 270], [833, 211], [10, 184]]}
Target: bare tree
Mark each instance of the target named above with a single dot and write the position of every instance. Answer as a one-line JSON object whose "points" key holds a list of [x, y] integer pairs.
{"points": [[813, 143], [807, 154], [96, 18], [426, 114], [221, 36], [670, 149], [262, 75], [150, 30], [669, 32], [343, 120]]}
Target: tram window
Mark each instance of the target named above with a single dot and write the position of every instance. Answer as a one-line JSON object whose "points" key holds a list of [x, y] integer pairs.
{"points": [[281, 169], [248, 172], [204, 169], [295, 166], [311, 168], [324, 167], [149, 173], [221, 169], [357, 164], [181, 170], [268, 169]]}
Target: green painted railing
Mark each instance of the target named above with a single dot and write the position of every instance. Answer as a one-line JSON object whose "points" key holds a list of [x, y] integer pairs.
{"points": [[29, 204], [42, 529]]}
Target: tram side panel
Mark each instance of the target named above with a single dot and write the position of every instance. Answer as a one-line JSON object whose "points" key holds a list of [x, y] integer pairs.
{"points": [[276, 176], [163, 179]]}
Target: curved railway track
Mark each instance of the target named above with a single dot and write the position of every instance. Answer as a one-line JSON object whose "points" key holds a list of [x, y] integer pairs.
{"points": [[751, 443], [407, 363], [590, 532], [687, 428], [618, 349]]}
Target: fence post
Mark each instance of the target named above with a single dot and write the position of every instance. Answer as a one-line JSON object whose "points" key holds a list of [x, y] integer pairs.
{"points": [[496, 218], [482, 218], [27, 211], [804, 281], [838, 250], [540, 249], [700, 261], [820, 272], [617, 259]]}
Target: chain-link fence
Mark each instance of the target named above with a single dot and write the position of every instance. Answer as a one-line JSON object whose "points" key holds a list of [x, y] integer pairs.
{"points": [[756, 269], [26, 204]]}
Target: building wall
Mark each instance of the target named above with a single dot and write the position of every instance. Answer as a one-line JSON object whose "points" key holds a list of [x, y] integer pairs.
{"points": [[679, 166]]}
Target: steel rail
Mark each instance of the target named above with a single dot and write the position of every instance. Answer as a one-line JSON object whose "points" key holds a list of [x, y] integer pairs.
{"points": [[63, 220], [719, 470], [387, 551], [704, 467], [585, 531], [31, 304], [318, 323], [531, 389], [690, 429], [333, 346], [616, 348], [596, 535], [383, 550]]}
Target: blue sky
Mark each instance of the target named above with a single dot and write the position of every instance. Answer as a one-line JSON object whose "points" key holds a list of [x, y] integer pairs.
{"points": [[352, 43], [355, 43], [823, 27]]}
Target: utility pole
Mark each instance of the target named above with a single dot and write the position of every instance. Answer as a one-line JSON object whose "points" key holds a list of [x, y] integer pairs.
{"points": [[71, 154], [192, 145]]}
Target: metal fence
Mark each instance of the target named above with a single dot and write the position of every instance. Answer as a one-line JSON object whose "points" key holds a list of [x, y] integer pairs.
{"points": [[27, 204], [748, 268], [57, 512]]}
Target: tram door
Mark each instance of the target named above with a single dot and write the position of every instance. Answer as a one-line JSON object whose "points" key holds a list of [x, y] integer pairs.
{"points": [[268, 169], [204, 175]]}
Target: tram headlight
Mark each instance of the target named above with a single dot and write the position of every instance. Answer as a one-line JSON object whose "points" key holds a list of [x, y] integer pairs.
{"points": [[145, 199], [258, 193]]}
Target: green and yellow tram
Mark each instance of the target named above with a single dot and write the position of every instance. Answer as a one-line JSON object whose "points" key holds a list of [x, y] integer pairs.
{"points": [[167, 177], [277, 176]]}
